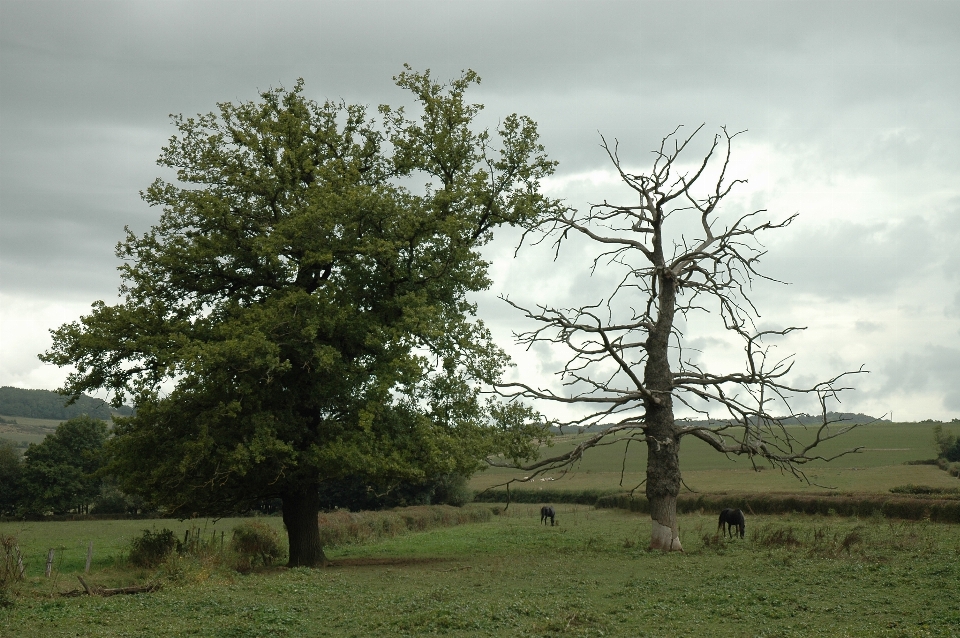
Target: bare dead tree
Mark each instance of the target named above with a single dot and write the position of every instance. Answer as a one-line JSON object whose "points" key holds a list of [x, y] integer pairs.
{"points": [[627, 369]]}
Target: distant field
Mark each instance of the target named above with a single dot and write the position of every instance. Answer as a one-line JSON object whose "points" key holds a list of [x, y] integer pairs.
{"points": [[27, 429], [792, 576], [877, 468]]}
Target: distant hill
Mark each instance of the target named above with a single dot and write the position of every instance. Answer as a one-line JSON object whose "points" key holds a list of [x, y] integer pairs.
{"points": [[44, 404], [846, 418]]}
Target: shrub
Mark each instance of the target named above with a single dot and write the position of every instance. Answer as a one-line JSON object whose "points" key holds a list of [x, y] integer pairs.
{"points": [[582, 497], [947, 444], [938, 508], [924, 489], [152, 548], [451, 489], [255, 543]]}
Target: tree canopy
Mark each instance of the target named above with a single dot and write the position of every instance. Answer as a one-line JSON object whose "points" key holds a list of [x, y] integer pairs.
{"points": [[59, 474], [300, 312], [10, 471]]}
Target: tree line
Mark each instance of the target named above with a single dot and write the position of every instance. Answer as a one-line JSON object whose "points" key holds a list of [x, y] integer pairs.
{"points": [[68, 473], [61, 474]]}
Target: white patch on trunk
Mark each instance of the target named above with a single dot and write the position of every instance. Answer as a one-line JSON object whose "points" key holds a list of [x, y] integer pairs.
{"points": [[662, 537]]}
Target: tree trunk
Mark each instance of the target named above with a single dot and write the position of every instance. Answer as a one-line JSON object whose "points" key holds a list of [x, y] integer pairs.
{"points": [[663, 487], [301, 509], [663, 444]]}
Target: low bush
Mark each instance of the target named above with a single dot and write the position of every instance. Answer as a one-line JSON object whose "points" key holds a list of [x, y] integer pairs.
{"points": [[925, 489], [940, 509], [255, 544], [152, 547], [581, 497]]}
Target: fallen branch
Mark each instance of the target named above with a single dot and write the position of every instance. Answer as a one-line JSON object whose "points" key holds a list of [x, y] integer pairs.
{"points": [[96, 590]]}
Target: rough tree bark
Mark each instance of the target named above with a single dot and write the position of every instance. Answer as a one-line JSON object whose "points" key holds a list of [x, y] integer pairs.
{"points": [[667, 273], [301, 507]]}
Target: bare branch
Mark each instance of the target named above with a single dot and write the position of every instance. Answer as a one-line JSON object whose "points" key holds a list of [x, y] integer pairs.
{"points": [[626, 366]]}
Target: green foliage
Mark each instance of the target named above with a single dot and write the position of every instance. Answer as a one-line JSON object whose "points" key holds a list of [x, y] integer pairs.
{"points": [[583, 497], [944, 510], [948, 445], [60, 473], [152, 548], [11, 469], [307, 296], [113, 500], [256, 544], [925, 489], [356, 493], [44, 404]]}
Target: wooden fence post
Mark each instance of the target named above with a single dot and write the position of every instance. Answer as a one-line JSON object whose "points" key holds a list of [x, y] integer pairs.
{"points": [[50, 561], [86, 570], [20, 564]]}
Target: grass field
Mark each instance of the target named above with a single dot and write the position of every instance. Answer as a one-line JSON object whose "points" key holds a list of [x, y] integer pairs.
{"points": [[793, 575], [879, 467], [589, 576], [27, 429]]}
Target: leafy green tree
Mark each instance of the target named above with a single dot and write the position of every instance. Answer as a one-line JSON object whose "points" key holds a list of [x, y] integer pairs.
{"points": [[59, 474], [10, 471], [948, 446], [299, 315]]}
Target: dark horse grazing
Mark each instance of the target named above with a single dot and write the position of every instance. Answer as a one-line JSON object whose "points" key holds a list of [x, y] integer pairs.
{"points": [[732, 518], [547, 512]]}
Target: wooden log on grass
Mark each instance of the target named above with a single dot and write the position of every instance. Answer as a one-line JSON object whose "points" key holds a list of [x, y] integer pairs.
{"points": [[95, 590]]}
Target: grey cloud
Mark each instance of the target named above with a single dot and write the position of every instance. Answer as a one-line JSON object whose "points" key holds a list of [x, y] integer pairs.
{"points": [[849, 259], [850, 89], [934, 369], [868, 327]]}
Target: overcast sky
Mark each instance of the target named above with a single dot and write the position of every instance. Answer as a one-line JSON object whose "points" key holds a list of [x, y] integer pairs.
{"points": [[852, 112]]}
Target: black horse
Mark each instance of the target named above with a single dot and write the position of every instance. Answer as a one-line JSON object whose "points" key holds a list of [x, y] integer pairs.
{"points": [[732, 519], [547, 512]]}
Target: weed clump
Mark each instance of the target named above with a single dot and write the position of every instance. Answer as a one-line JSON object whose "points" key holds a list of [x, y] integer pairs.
{"points": [[851, 539], [11, 568], [152, 548], [777, 537], [256, 544]]}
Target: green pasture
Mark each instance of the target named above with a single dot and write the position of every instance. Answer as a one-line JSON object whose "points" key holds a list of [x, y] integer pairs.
{"points": [[589, 576], [27, 429], [879, 467], [111, 540]]}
